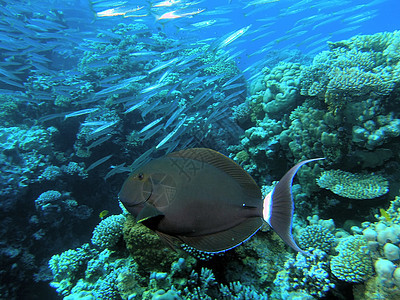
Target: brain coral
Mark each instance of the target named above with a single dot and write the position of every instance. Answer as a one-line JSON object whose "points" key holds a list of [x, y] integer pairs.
{"points": [[316, 237], [354, 263], [353, 186], [108, 232]]}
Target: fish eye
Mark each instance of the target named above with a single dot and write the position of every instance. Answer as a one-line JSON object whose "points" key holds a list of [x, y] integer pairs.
{"points": [[140, 176]]}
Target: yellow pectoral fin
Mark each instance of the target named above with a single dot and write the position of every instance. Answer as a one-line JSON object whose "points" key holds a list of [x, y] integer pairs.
{"points": [[148, 212]]}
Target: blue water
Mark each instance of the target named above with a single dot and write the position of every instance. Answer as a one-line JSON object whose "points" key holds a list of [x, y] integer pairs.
{"points": [[44, 61]]}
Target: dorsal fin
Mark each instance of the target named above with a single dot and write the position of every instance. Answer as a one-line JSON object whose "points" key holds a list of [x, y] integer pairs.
{"points": [[225, 164]]}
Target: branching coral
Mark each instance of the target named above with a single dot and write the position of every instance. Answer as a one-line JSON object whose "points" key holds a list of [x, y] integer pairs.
{"points": [[108, 232], [237, 291], [354, 262], [306, 274], [316, 237], [69, 266]]}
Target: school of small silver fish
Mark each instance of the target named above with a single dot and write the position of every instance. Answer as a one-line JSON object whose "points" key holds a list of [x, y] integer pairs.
{"points": [[29, 42]]}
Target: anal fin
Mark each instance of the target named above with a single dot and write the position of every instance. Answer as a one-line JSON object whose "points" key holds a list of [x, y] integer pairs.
{"points": [[225, 240]]}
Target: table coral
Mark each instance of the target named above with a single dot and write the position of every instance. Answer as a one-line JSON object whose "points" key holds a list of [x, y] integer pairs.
{"points": [[353, 186]]}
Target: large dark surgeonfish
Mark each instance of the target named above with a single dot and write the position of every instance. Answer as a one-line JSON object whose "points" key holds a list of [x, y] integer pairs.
{"points": [[203, 199]]}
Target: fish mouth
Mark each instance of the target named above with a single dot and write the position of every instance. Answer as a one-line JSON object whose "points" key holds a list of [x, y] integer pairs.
{"points": [[138, 203]]}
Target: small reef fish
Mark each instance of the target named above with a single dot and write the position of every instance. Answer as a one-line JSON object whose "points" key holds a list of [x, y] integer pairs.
{"points": [[142, 159], [152, 124], [99, 142], [233, 36], [94, 123], [118, 11], [385, 215], [171, 134], [204, 24], [103, 213], [103, 127], [260, 2], [175, 15], [98, 162], [152, 132], [173, 117], [166, 3], [203, 199], [122, 85], [164, 65], [116, 170], [135, 106], [81, 113]]}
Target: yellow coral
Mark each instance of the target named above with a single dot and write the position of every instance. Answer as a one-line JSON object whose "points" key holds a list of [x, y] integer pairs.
{"points": [[242, 156], [146, 247]]}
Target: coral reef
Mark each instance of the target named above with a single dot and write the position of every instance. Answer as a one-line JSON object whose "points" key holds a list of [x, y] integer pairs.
{"points": [[81, 120], [68, 266], [342, 108], [352, 70], [86, 272], [82, 105], [24, 154]]}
